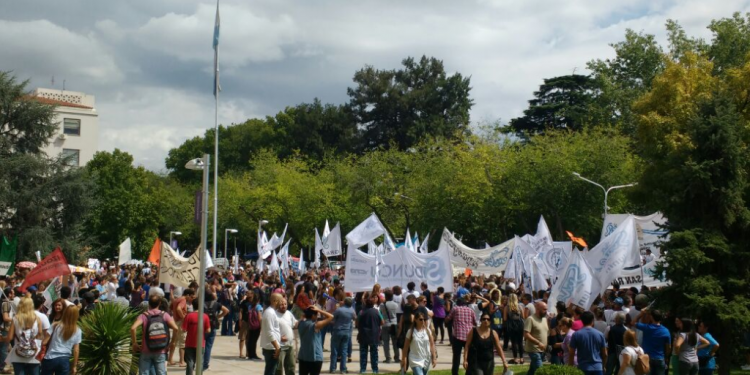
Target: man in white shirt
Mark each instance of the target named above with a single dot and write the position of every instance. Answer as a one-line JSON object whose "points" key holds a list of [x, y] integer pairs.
{"points": [[38, 303], [111, 288], [287, 325], [648, 258], [270, 335]]}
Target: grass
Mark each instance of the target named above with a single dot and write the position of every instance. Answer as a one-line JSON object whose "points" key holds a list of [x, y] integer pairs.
{"points": [[522, 369]]}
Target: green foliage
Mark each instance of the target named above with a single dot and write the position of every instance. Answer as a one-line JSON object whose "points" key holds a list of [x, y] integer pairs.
{"points": [[106, 346], [558, 370], [402, 107], [560, 103]]}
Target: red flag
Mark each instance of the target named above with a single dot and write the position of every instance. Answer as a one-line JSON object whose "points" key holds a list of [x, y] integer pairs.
{"points": [[53, 265], [155, 256]]}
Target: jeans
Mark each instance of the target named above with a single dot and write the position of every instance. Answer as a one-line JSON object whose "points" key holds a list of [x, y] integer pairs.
{"points": [[61, 366], [286, 361], [556, 360], [271, 362], [227, 324], [363, 349], [3, 349], [536, 362], [420, 370], [190, 358], [688, 368], [658, 367], [146, 362], [388, 342], [26, 368], [310, 368], [339, 347], [457, 345], [613, 364], [210, 337], [323, 333]]}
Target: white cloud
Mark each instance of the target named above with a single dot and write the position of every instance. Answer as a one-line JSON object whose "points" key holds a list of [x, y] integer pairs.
{"points": [[29, 46]]}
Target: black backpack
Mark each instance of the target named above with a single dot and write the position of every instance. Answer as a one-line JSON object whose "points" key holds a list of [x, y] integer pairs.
{"points": [[212, 311], [156, 332]]}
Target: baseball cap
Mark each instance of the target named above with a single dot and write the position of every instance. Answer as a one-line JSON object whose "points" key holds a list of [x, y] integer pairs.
{"points": [[619, 301]]}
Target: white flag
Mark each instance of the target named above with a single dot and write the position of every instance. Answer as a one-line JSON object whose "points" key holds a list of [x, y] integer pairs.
{"points": [[539, 281], [365, 232], [326, 230], [302, 261], [273, 265], [611, 256], [423, 247], [388, 243], [331, 244], [543, 237], [417, 245], [574, 284], [284, 256], [125, 254], [371, 248], [407, 242], [318, 247]]}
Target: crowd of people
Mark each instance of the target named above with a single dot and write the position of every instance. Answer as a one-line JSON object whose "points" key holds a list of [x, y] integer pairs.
{"points": [[284, 322]]}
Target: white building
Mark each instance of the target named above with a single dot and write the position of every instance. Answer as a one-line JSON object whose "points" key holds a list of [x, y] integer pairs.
{"points": [[78, 125]]}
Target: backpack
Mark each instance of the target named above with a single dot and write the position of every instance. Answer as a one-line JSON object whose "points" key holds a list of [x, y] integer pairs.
{"points": [[515, 322], [253, 322], [213, 315], [641, 366], [26, 346], [156, 332]]}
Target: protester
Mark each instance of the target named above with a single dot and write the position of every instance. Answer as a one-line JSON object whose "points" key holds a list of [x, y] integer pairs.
{"points": [[62, 350], [389, 312], [615, 341], [254, 319], [287, 325], [38, 305], [687, 345], [270, 335], [368, 325], [438, 309], [590, 347], [536, 330], [215, 312], [56, 313], [656, 339], [7, 311], [481, 344], [26, 335], [341, 334], [311, 340], [419, 347], [462, 319], [514, 323], [555, 342], [629, 354], [155, 338], [178, 309], [706, 355], [190, 326]]}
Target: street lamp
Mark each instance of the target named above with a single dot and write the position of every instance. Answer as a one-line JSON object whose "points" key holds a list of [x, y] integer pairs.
{"points": [[201, 164], [171, 235], [226, 231], [606, 190], [397, 194]]}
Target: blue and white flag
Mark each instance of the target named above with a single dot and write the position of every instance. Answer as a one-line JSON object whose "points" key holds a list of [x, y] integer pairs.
{"points": [[616, 252], [575, 283], [217, 24]]}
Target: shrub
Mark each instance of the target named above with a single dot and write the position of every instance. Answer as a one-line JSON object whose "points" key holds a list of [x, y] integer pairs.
{"points": [[106, 346], [558, 370]]}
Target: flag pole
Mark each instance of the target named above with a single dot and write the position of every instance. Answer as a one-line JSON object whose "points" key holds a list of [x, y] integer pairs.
{"points": [[217, 89]]}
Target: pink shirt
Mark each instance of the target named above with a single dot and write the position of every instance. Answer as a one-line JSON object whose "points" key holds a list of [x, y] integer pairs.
{"points": [[577, 324]]}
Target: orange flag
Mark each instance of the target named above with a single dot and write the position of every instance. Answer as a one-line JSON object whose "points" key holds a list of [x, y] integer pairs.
{"points": [[577, 240], [155, 256]]}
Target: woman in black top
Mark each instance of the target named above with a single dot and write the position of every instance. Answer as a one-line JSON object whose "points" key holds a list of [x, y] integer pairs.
{"points": [[481, 344]]}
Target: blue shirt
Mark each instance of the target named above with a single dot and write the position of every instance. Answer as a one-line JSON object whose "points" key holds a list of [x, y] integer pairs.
{"points": [[705, 352], [655, 338], [311, 342], [342, 319], [588, 344]]}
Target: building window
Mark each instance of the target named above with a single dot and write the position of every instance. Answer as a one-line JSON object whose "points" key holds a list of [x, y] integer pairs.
{"points": [[72, 126], [72, 157]]}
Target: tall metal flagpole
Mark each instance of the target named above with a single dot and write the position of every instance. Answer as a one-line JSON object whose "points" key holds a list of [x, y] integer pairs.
{"points": [[217, 89]]}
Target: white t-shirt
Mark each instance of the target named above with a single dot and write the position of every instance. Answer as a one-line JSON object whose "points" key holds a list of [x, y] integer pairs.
{"points": [[475, 308], [633, 353], [398, 299], [111, 291], [44, 319], [59, 347], [286, 326], [146, 271], [419, 349], [269, 329]]}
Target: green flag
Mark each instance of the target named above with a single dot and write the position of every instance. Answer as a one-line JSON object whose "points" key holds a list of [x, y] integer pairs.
{"points": [[8, 256]]}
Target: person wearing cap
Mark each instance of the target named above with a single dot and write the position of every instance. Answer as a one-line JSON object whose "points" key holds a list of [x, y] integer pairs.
{"points": [[609, 315], [311, 340]]}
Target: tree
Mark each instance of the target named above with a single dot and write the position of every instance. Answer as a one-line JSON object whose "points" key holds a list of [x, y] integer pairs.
{"points": [[560, 103], [403, 107], [42, 200], [694, 140]]}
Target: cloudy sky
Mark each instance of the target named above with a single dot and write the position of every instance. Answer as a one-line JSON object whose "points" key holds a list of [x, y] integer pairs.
{"points": [[149, 63]]}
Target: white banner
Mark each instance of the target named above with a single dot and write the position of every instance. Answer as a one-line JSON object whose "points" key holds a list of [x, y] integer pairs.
{"points": [[398, 267], [618, 251], [632, 277], [331, 244], [179, 271], [648, 228], [575, 283], [488, 261], [124, 252]]}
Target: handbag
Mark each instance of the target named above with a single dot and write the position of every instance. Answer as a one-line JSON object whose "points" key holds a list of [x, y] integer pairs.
{"points": [[43, 350]]}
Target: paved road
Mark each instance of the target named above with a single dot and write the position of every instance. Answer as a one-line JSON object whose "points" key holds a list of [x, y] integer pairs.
{"points": [[224, 359]]}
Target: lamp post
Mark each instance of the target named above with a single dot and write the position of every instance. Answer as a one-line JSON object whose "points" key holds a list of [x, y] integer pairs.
{"points": [[171, 235], [201, 164], [226, 232], [606, 190]]}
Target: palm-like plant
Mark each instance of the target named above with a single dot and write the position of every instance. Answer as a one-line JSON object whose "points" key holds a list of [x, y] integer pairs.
{"points": [[105, 348]]}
